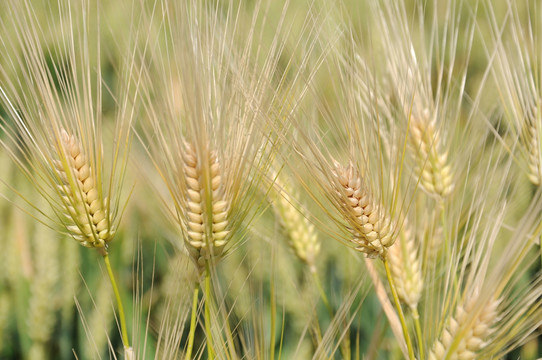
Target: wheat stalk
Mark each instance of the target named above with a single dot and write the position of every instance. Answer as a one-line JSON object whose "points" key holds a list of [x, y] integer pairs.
{"points": [[370, 225]]}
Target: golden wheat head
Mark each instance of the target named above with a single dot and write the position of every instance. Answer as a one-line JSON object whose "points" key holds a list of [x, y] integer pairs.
{"points": [[207, 226], [371, 226], [87, 217], [55, 130]]}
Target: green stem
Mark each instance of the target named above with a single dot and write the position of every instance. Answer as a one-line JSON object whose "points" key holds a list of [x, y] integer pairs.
{"points": [[210, 351], [122, 318], [444, 228], [192, 323], [399, 311], [345, 344], [322, 293], [326, 302], [416, 317], [273, 321]]}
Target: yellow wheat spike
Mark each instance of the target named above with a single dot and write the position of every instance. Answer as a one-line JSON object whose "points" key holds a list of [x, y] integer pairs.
{"points": [[369, 223], [85, 209], [207, 232]]}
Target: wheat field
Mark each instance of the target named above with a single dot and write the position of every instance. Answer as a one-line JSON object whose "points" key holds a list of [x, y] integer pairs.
{"points": [[259, 179]]}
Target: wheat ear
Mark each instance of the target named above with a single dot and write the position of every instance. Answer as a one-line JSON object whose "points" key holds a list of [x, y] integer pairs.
{"points": [[431, 162], [369, 223], [532, 145], [86, 211], [86, 215], [464, 336], [406, 268], [207, 232], [302, 236]]}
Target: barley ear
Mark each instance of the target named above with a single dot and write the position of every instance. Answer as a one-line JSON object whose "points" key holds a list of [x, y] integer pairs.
{"points": [[369, 223], [206, 228], [406, 268], [302, 236], [532, 145], [86, 215], [431, 161], [464, 336]]}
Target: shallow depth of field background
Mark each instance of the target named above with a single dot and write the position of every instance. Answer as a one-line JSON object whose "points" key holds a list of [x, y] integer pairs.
{"points": [[55, 298]]}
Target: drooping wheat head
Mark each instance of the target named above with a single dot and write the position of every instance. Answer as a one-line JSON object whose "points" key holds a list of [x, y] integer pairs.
{"points": [[372, 228], [86, 210], [55, 125]]}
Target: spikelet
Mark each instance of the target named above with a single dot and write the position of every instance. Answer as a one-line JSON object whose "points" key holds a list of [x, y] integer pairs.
{"points": [[302, 236], [206, 231], [531, 143], [87, 219], [370, 225], [467, 335], [431, 162], [406, 268]]}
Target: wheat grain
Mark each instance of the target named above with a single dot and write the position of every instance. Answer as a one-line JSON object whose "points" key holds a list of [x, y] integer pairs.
{"points": [[406, 268], [207, 232], [370, 225], [85, 209]]}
